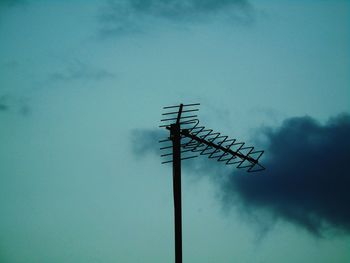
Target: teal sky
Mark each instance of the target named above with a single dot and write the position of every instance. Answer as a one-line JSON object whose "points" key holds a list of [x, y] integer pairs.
{"points": [[78, 77]]}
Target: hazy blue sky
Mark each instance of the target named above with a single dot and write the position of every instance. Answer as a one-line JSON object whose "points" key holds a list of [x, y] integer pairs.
{"points": [[78, 78]]}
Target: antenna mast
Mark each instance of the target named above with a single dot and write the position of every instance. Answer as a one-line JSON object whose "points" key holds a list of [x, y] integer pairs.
{"points": [[198, 139]]}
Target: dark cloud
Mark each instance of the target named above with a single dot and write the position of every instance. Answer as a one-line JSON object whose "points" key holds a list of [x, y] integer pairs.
{"points": [[131, 15], [306, 181]]}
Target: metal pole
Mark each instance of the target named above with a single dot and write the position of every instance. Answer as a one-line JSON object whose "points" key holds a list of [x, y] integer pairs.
{"points": [[176, 139]]}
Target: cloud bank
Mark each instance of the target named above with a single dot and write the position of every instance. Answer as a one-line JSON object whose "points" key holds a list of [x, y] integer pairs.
{"points": [[306, 182]]}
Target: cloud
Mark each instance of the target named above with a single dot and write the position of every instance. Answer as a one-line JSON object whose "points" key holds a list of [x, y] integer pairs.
{"points": [[10, 3], [10, 64], [4, 103], [6, 5], [144, 141], [307, 179], [306, 182], [181, 8], [10, 103], [80, 71], [3, 107], [125, 16]]}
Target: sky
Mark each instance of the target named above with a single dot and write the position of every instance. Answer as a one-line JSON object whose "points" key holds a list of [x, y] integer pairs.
{"points": [[82, 86]]}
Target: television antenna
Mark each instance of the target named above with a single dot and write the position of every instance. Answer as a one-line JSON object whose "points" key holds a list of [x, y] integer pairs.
{"points": [[188, 137]]}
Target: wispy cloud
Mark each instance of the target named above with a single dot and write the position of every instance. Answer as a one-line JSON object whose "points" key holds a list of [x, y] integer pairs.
{"points": [[145, 141], [15, 104], [125, 16], [6, 5], [4, 106], [306, 181], [81, 71], [10, 3]]}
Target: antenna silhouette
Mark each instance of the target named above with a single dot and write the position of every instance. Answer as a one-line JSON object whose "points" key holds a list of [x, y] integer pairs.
{"points": [[189, 138]]}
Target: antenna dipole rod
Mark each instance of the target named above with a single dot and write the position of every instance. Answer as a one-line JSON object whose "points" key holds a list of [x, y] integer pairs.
{"points": [[175, 136]]}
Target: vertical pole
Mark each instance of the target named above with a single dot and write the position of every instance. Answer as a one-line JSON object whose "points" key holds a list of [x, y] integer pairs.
{"points": [[176, 138]]}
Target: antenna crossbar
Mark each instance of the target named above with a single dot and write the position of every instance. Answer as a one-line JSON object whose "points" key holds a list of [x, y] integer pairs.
{"points": [[210, 143]]}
